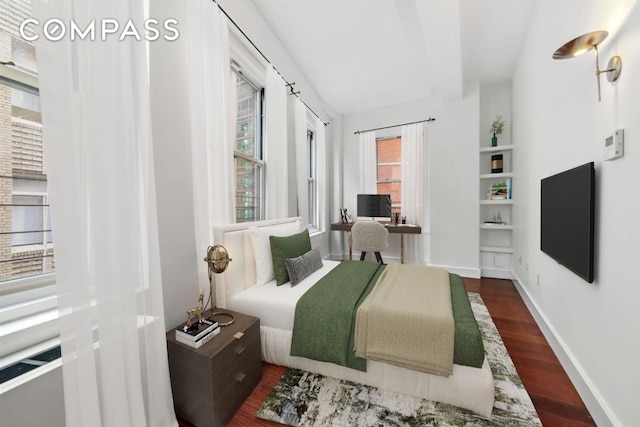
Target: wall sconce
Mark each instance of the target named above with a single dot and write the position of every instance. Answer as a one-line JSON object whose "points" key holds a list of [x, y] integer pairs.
{"points": [[584, 44], [218, 259]]}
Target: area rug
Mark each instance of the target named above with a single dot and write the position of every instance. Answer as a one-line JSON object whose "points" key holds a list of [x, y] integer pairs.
{"points": [[304, 399]]}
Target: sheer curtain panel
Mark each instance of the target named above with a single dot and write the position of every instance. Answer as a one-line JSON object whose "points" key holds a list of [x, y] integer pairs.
{"points": [[322, 171], [414, 167], [276, 158], [209, 89], [300, 129], [99, 158], [368, 163]]}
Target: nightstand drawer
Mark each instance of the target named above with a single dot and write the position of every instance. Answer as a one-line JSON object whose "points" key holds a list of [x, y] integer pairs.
{"points": [[240, 353], [236, 371]]}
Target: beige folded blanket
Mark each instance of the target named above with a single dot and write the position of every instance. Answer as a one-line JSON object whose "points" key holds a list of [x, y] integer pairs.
{"points": [[407, 320]]}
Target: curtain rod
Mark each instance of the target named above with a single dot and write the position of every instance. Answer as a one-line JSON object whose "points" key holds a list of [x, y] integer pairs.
{"points": [[430, 119], [290, 85]]}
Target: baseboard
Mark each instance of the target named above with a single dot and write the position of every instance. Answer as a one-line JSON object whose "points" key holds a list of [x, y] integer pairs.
{"points": [[386, 258], [460, 271], [592, 399], [497, 273]]}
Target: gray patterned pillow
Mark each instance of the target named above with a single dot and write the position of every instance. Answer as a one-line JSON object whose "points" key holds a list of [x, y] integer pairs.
{"points": [[301, 267]]}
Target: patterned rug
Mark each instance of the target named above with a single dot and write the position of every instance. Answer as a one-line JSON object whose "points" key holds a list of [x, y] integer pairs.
{"points": [[304, 399]]}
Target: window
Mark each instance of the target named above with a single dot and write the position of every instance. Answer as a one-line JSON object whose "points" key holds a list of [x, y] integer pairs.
{"points": [[312, 186], [28, 301], [26, 244], [389, 167], [248, 148]]}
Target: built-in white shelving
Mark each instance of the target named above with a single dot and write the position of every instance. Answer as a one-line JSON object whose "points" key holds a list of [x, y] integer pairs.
{"points": [[497, 249], [496, 148], [497, 223], [497, 202], [496, 175], [486, 226], [496, 240]]}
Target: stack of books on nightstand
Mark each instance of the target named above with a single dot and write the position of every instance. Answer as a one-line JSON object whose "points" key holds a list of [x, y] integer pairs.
{"points": [[198, 334]]}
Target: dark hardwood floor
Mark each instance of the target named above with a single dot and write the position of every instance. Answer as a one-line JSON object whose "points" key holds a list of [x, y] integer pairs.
{"points": [[553, 395]]}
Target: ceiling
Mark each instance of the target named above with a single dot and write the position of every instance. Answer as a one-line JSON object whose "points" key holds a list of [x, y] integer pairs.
{"points": [[364, 54]]}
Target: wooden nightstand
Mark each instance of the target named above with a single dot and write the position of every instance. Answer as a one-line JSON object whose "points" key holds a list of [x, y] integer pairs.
{"points": [[210, 383]]}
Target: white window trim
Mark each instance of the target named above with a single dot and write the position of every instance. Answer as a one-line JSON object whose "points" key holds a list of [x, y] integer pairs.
{"points": [[387, 181], [258, 161], [315, 218]]}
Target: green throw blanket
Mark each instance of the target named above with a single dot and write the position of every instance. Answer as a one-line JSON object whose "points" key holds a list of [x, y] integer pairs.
{"points": [[325, 317], [468, 349]]}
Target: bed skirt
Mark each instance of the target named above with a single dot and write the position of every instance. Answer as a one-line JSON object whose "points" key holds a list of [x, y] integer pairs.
{"points": [[468, 388]]}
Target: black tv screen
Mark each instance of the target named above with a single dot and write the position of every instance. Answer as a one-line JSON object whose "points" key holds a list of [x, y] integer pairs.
{"points": [[567, 203], [374, 205]]}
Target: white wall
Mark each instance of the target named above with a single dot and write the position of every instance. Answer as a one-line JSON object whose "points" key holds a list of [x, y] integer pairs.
{"points": [[169, 65], [450, 233], [453, 185], [38, 401], [559, 124]]}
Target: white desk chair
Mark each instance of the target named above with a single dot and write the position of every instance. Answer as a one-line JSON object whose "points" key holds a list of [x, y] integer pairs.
{"points": [[370, 236]]}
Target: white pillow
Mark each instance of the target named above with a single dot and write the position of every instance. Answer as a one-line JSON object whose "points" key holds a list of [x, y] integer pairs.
{"points": [[262, 247]]}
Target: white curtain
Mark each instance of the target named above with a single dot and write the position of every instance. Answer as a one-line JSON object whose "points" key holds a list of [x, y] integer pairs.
{"points": [[300, 131], [99, 159], [414, 166], [211, 145], [368, 163], [321, 170], [276, 158]]}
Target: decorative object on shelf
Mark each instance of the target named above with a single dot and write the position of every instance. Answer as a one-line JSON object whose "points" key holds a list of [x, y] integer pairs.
{"points": [[496, 219], [584, 44], [498, 191], [496, 163], [344, 216], [218, 259], [198, 334], [496, 129], [196, 311]]}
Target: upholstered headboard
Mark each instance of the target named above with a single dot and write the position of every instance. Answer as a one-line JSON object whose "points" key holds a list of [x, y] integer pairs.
{"points": [[241, 272]]}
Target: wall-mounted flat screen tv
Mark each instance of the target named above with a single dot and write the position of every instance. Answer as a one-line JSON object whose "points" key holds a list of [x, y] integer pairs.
{"points": [[567, 202], [374, 206]]}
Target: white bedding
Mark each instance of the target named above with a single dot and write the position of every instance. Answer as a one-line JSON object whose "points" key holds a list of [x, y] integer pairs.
{"points": [[275, 306], [467, 387]]}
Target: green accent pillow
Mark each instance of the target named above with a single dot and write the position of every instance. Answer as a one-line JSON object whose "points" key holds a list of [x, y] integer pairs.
{"points": [[287, 247]]}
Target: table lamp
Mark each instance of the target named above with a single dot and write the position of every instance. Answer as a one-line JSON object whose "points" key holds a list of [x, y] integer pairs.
{"points": [[218, 259]]}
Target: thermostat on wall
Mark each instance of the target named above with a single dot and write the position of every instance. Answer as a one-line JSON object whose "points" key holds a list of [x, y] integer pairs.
{"points": [[614, 145]]}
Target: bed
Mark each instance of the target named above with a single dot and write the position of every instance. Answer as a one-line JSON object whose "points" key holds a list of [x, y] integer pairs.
{"points": [[240, 288]]}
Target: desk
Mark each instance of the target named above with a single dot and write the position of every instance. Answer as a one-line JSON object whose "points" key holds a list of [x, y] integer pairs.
{"points": [[401, 229]]}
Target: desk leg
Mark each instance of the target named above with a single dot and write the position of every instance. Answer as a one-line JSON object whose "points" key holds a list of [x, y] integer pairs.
{"points": [[401, 248], [350, 248]]}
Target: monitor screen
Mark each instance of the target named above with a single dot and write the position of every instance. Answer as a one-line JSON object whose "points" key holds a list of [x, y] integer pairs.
{"points": [[374, 206]]}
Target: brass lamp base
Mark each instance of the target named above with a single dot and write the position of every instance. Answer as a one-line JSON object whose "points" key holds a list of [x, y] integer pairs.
{"points": [[230, 319]]}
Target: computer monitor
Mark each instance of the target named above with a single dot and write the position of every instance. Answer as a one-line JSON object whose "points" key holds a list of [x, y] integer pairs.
{"points": [[375, 206]]}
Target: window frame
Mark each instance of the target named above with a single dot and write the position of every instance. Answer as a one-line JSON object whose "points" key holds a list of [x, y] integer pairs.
{"points": [[313, 193], [257, 162], [395, 206], [28, 303], [45, 243]]}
